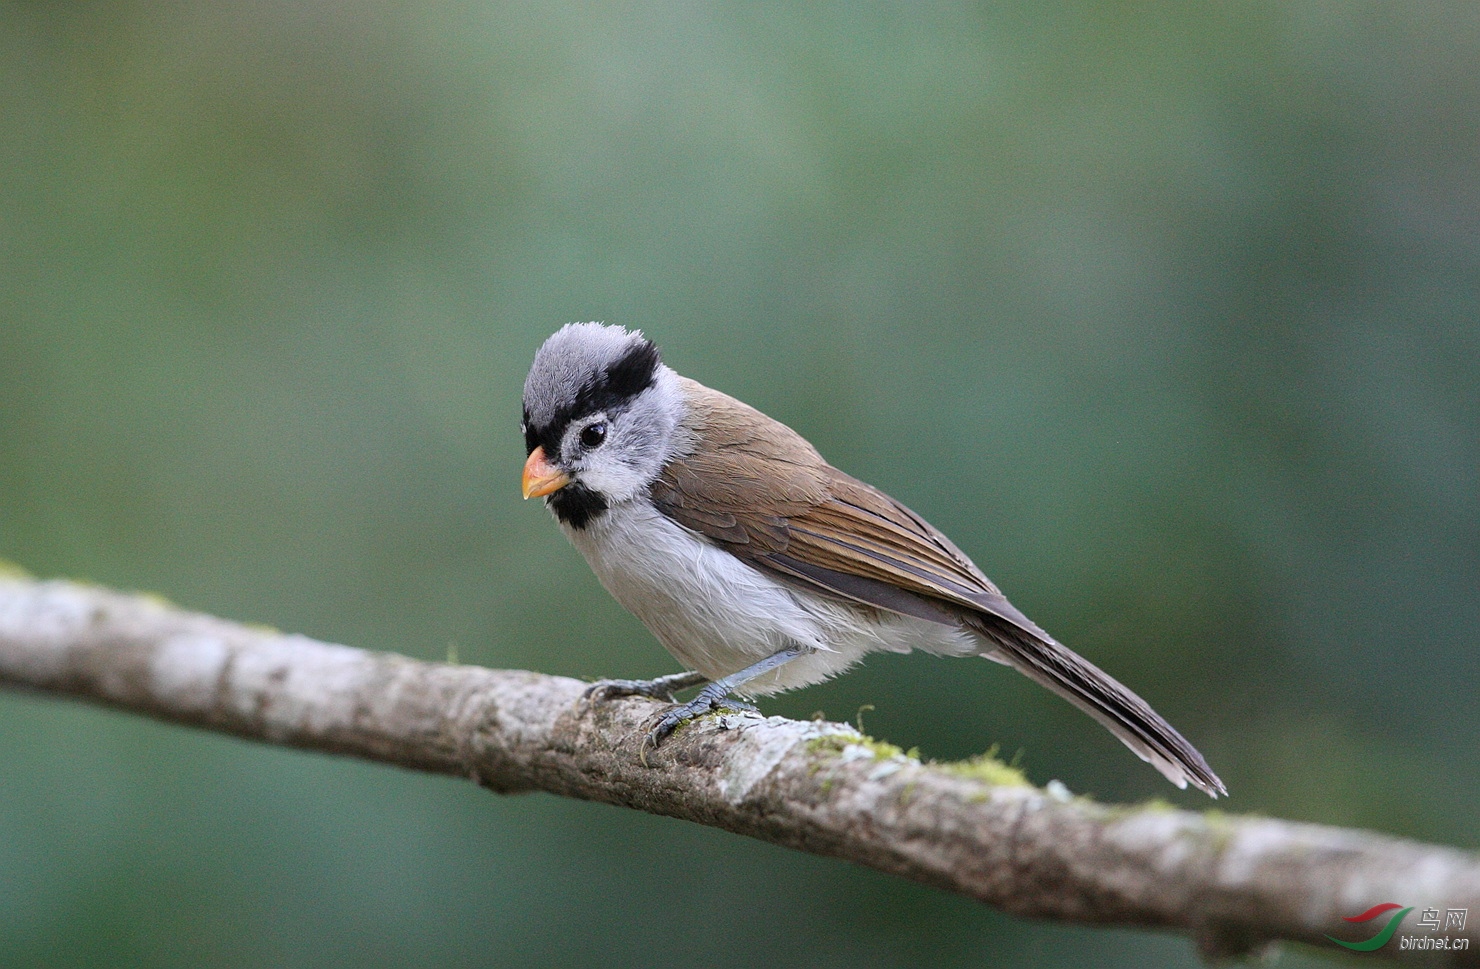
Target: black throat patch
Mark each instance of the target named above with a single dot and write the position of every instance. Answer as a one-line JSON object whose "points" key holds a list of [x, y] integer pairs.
{"points": [[576, 505]]}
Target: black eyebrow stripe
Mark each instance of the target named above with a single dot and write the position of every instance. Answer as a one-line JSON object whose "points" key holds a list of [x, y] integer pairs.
{"points": [[611, 391]]}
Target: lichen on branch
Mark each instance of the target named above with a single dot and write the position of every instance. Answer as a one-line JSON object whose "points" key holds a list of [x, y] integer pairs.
{"points": [[1234, 884]]}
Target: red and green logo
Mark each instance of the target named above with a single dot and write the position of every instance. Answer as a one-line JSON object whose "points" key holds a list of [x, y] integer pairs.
{"points": [[1381, 938]]}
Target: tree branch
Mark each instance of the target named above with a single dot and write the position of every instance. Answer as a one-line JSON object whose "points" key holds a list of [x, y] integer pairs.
{"points": [[1233, 883]]}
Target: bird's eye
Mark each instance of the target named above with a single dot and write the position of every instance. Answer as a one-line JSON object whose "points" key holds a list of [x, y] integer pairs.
{"points": [[593, 435]]}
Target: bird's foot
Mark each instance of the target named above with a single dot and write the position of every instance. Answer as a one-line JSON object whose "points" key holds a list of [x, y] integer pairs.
{"points": [[660, 688], [708, 700]]}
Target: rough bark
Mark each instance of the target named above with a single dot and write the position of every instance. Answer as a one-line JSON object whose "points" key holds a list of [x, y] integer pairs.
{"points": [[1233, 883]]}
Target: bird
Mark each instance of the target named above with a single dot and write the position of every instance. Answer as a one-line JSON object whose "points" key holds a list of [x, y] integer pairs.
{"points": [[757, 564]]}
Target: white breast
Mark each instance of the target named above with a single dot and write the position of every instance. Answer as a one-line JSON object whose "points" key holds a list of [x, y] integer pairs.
{"points": [[717, 615]]}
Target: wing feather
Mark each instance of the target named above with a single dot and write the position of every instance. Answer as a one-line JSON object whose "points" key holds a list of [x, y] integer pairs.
{"points": [[759, 490], [756, 488]]}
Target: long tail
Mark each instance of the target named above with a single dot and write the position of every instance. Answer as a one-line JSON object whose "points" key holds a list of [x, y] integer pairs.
{"points": [[1090, 689]]}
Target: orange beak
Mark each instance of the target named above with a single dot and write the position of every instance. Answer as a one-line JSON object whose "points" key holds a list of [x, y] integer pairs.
{"points": [[541, 477]]}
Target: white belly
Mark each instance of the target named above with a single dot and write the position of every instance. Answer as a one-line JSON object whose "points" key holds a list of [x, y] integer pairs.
{"points": [[717, 615]]}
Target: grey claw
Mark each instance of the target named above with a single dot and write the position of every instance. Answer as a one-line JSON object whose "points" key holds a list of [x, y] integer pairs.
{"points": [[679, 715], [665, 726], [660, 688], [673, 719], [603, 690]]}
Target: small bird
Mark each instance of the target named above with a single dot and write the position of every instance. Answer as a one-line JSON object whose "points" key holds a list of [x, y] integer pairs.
{"points": [[757, 564]]}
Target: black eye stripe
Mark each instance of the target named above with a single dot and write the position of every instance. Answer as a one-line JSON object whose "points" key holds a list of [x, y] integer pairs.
{"points": [[613, 389], [609, 391], [531, 436], [634, 372]]}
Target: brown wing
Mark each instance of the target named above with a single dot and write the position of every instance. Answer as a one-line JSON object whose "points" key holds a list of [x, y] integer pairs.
{"points": [[756, 488]]}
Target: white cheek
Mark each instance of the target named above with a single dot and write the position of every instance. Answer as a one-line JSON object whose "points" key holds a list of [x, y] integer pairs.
{"points": [[638, 444], [612, 478]]}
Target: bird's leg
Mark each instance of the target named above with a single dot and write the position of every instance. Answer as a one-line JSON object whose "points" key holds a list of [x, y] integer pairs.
{"points": [[713, 696], [660, 688]]}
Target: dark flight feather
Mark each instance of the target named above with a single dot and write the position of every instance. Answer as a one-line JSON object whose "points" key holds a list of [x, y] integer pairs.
{"points": [[756, 488]]}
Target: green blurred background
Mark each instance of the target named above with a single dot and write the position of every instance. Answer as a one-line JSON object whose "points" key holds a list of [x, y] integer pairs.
{"points": [[1169, 313]]}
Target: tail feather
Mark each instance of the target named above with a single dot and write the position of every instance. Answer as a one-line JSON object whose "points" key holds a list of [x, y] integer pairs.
{"points": [[1090, 689]]}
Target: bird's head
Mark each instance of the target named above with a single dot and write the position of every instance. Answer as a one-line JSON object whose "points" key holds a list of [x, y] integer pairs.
{"points": [[600, 415]]}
